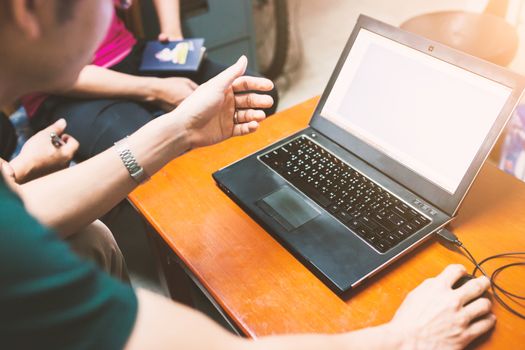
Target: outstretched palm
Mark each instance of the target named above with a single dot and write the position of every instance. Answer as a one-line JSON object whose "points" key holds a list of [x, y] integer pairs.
{"points": [[210, 110]]}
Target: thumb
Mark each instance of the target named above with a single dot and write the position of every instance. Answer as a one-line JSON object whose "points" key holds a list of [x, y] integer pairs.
{"points": [[7, 170], [71, 144], [163, 38], [8, 173], [10, 178], [226, 77], [58, 127]]}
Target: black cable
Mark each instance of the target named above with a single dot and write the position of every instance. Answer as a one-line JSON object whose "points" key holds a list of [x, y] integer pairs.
{"points": [[497, 290], [473, 260]]}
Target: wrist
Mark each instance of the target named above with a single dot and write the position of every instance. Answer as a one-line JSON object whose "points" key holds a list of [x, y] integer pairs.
{"points": [[151, 92], [182, 119], [180, 137], [159, 142], [384, 336], [397, 337]]}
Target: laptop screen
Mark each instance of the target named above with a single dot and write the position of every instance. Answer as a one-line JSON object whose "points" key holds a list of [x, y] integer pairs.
{"points": [[427, 114]]}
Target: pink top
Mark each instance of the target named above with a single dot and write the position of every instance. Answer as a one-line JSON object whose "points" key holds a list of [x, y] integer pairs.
{"points": [[116, 46]]}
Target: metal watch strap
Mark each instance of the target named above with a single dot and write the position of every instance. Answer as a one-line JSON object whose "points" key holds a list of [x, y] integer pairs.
{"points": [[136, 172]]}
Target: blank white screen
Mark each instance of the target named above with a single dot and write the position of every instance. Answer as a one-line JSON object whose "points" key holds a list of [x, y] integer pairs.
{"points": [[427, 114]]}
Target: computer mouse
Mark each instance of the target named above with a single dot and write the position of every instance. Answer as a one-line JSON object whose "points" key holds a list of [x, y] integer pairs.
{"points": [[464, 279]]}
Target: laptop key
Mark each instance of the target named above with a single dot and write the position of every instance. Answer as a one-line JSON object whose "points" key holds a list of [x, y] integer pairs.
{"points": [[383, 245], [413, 212], [356, 214], [409, 227], [344, 216], [364, 231], [418, 222], [402, 233], [372, 240], [403, 211], [333, 208], [353, 224], [395, 219], [392, 239], [383, 221], [369, 223], [381, 233]]}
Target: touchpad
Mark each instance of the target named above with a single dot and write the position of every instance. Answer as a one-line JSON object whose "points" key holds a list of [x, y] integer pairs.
{"points": [[288, 208]]}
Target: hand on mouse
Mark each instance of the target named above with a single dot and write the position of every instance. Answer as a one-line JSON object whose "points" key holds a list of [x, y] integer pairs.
{"points": [[436, 316]]}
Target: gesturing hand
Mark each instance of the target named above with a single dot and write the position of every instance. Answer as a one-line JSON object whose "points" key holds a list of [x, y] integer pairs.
{"points": [[225, 106]]}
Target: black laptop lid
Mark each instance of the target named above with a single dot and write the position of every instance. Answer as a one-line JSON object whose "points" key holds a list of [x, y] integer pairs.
{"points": [[424, 114]]}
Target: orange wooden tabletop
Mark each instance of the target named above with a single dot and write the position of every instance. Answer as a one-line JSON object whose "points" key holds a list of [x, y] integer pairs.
{"points": [[265, 290]]}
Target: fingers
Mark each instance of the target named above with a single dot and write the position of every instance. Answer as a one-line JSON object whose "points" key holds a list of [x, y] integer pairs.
{"points": [[9, 176], [248, 115], [473, 289], [253, 100], [451, 274], [167, 37], [245, 128], [57, 127], [248, 121], [479, 327], [247, 83], [7, 171], [192, 84], [227, 77], [477, 308], [70, 145], [163, 38]]}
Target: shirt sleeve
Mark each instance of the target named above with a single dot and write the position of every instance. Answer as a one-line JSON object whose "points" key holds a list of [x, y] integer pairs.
{"points": [[49, 297]]}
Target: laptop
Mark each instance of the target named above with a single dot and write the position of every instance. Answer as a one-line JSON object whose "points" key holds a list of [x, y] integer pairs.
{"points": [[394, 144]]}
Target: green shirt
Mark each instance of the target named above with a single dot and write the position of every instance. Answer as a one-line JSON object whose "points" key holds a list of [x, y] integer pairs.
{"points": [[49, 297]]}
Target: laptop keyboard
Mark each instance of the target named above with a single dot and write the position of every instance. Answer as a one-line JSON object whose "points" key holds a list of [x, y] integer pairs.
{"points": [[363, 206]]}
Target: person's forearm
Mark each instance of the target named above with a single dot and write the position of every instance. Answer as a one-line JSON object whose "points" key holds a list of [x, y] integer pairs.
{"points": [[72, 198], [380, 337], [95, 81], [177, 326], [168, 12]]}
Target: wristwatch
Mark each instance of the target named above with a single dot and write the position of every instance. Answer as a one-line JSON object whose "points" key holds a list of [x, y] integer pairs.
{"points": [[136, 172]]}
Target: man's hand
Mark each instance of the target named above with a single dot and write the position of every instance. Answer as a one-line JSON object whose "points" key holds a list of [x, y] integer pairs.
{"points": [[210, 112], [438, 317], [40, 157], [168, 93]]}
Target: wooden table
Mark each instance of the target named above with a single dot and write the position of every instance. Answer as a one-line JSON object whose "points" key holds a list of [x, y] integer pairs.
{"points": [[265, 290]]}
